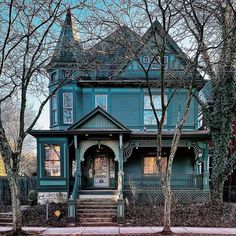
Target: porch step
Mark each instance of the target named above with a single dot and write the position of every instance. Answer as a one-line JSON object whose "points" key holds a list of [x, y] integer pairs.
{"points": [[96, 212], [6, 219]]}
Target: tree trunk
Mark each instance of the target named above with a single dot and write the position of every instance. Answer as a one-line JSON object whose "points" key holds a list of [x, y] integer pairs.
{"points": [[217, 191], [16, 205], [167, 210]]}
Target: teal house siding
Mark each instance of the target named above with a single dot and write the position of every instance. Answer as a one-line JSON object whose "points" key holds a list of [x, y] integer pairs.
{"points": [[108, 147]]}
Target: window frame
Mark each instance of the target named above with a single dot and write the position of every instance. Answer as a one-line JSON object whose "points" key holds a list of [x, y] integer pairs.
{"points": [[106, 101], [54, 110], [158, 65], [64, 107], [156, 169], [47, 161], [53, 77], [149, 109]]}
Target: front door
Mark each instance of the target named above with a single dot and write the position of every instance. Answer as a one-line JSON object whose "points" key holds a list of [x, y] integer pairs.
{"points": [[101, 171]]}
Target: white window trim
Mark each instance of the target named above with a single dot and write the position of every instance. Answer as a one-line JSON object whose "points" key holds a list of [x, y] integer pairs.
{"points": [[68, 108], [95, 102]]}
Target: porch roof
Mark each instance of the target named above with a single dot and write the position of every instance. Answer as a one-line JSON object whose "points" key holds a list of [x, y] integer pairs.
{"points": [[197, 134], [168, 134]]}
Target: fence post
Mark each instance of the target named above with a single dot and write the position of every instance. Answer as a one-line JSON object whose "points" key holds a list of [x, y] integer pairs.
{"points": [[120, 211]]}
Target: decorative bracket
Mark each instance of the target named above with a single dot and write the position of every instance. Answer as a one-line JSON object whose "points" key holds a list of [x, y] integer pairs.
{"points": [[198, 151], [129, 149]]}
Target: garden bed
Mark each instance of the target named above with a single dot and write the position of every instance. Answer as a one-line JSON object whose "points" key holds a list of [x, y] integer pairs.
{"points": [[37, 216], [196, 215]]}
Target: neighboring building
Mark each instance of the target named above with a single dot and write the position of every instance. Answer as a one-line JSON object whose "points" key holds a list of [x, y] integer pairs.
{"points": [[230, 183], [2, 168], [102, 130]]}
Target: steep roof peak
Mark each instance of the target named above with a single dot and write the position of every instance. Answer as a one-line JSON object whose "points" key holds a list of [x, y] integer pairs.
{"points": [[68, 46]]}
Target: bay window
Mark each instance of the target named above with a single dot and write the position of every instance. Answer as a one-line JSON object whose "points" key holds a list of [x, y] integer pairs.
{"points": [[67, 108]]}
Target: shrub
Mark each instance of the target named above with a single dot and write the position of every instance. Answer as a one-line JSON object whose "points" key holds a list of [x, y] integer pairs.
{"points": [[32, 196]]}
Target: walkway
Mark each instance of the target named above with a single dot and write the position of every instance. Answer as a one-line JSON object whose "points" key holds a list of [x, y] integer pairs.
{"points": [[125, 231]]}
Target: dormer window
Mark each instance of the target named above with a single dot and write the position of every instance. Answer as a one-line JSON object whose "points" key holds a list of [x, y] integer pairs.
{"points": [[53, 77]]}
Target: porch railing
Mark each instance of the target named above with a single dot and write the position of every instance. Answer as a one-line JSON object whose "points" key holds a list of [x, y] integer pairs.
{"points": [[72, 200], [136, 181]]}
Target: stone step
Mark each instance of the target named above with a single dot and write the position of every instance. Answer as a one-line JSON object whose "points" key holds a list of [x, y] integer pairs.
{"points": [[97, 224], [96, 203], [6, 219], [5, 215], [92, 210], [96, 214], [96, 199], [98, 219], [5, 223], [96, 207]]}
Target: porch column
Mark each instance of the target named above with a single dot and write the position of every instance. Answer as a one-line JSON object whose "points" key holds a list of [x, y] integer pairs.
{"points": [[120, 168], [120, 201], [78, 160], [206, 168]]}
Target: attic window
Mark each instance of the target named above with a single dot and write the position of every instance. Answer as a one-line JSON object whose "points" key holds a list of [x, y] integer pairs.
{"points": [[156, 63], [146, 59]]}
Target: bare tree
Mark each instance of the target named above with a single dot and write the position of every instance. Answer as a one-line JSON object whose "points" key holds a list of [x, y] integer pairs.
{"points": [[139, 16], [27, 38]]}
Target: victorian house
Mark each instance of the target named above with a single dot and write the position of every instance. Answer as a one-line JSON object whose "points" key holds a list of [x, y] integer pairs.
{"points": [[102, 138]]}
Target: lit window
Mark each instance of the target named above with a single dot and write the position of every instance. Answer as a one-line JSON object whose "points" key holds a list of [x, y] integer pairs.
{"points": [[101, 100], [151, 167], [52, 161], [54, 110], [149, 118], [68, 108]]}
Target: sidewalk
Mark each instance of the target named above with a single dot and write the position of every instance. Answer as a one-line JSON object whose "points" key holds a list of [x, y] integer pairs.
{"points": [[124, 231]]}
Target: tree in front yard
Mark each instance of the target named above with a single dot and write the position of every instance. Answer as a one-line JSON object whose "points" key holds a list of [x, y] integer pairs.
{"points": [[27, 38], [218, 60]]}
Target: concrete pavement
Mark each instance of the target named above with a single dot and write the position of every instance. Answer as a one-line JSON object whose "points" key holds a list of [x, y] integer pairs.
{"points": [[124, 231]]}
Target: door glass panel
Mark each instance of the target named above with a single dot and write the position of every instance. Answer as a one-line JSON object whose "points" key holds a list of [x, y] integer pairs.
{"points": [[101, 171]]}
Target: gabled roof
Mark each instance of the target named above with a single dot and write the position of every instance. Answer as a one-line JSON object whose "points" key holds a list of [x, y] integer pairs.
{"points": [[98, 119], [157, 27], [111, 52]]}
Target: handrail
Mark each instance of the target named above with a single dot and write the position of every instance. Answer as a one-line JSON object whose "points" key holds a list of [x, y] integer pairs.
{"points": [[72, 200], [74, 194]]}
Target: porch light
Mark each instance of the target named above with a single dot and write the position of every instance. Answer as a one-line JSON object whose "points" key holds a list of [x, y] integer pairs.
{"points": [[86, 135]]}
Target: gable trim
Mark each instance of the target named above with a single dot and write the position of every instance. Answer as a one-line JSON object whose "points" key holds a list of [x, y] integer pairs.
{"points": [[98, 110]]}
